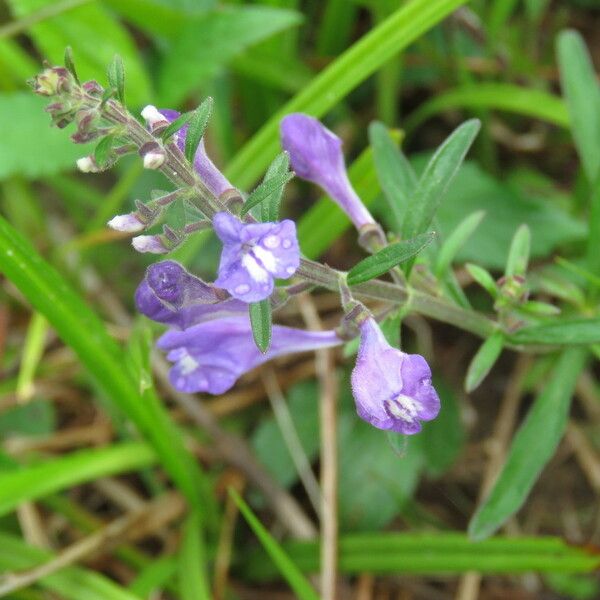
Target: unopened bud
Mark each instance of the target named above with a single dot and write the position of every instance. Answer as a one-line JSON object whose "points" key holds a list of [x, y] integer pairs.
{"points": [[87, 164], [129, 223], [154, 160], [149, 243], [152, 117]]}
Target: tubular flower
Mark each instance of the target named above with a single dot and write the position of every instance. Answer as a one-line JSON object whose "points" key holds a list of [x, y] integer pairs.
{"points": [[214, 180], [254, 255], [392, 390], [169, 294], [316, 155], [211, 356]]}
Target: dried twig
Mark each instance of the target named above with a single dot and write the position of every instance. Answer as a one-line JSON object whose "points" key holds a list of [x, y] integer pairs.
{"points": [[329, 469], [134, 524]]}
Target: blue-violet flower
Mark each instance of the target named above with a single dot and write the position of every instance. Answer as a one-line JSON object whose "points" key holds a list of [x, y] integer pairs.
{"points": [[254, 255], [392, 390], [211, 356], [316, 155], [171, 295]]}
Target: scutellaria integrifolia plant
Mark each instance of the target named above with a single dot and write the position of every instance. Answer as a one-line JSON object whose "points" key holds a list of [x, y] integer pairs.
{"points": [[210, 334]]}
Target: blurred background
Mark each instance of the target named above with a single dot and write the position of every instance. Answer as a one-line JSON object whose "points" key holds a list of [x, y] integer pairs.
{"points": [[494, 60]]}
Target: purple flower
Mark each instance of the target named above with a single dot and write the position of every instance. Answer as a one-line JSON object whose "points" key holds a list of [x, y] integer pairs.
{"points": [[169, 294], [316, 155], [214, 180], [253, 255], [212, 355], [392, 390]]}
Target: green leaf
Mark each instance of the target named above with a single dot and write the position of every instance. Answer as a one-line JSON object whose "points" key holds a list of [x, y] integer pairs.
{"points": [[29, 145], [262, 322], [455, 241], [71, 583], [301, 587], [560, 332], [483, 278], [70, 63], [386, 259], [483, 361], [344, 74], [39, 480], [518, 255], [116, 77], [507, 205], [193, 577], [436, 178], [395, 174], [176, 125], [205, 43], [432, 554], [532, 447], [582, 94], [501, 96], [197, 126], [279, 167], [83, 331], [103, 149], [95, 35], [266, 191], [164, 18]]}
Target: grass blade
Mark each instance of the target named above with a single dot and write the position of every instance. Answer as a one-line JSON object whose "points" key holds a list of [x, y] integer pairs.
{"points": [[284, 564], [501, 96], [193, 578], [433, 554], [71, 583], [361, 60], [38, 480], [81, 329], [532, 447], [582, 95]]}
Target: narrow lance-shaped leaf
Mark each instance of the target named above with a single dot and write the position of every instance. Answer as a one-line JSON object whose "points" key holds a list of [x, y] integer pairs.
{"points": [[484, 360], [102, 150], [563, 332], [296, 580], [456, 240], [116, 77], [582, 93], [388, 258], [532, 447], [395, 174], [176, 125], [265, 190], [70, 63], [270, 208], [518, 255], [261, 321], [436, 178], [197, 127], [483, 278]]}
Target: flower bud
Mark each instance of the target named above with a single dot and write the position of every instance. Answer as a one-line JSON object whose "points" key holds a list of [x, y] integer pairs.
{"points": [[87, 164], [154, 160], [151, 244], [316, 155], [152, 117], [129, 223]]}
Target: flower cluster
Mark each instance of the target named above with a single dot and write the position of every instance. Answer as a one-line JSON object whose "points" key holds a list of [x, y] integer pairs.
{"points": [[210, 338]]}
